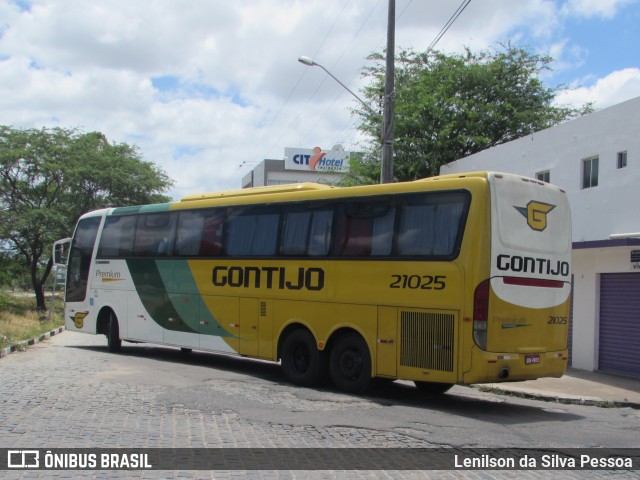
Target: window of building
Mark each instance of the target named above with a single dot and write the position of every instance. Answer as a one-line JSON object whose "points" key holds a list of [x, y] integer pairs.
{"points": [[590, 172], [622, 159], [544, 176]]}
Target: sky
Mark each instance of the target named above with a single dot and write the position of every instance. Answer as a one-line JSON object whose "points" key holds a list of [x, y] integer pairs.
{"points": [[208, 89]]}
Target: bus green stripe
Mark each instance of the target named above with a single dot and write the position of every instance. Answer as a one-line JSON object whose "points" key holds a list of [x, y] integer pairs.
{"points": [[154, 296], [187, 309], [155, 208]]}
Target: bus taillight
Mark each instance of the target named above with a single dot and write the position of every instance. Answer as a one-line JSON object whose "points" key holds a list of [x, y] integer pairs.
{"points": [[481, 314], [533, 282]]}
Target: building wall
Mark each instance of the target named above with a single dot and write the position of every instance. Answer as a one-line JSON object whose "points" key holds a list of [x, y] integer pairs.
{"points": [[562, 149], [597, 212], [272, 172]]}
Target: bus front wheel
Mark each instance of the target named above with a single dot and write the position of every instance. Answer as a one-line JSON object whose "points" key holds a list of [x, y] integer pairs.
{"points": [[350, 363], [113, 333], [302, 362]]}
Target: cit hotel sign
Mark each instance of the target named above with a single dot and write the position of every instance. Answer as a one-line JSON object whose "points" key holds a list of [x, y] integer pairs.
{"points": [[316, 160]]}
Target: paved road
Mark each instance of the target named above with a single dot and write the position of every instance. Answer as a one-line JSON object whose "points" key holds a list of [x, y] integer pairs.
{"points": [[70, 392]]}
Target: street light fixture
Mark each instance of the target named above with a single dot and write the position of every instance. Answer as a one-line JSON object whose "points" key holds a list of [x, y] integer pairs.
{"points": [[310, 63], [386, 170]]}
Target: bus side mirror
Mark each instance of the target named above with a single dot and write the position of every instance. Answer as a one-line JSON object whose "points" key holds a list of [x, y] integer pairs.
{"points": [[60, 251]]}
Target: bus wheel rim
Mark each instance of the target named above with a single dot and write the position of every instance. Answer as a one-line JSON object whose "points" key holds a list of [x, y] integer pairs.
{"points": [[300, 359], [351, 364]]}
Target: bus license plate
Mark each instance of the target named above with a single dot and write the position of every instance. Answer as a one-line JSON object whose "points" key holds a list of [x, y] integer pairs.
{"points": [[532, 359]]}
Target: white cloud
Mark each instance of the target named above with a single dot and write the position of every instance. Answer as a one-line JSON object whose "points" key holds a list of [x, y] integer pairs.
{"points": [[594, 8], [228, 88], [616, 87]]}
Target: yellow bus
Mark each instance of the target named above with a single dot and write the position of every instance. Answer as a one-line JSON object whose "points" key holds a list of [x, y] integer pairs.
{"points": [[458, 279]]}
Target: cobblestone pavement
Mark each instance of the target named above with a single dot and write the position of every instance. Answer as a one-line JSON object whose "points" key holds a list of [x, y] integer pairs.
{"points": [[69, 392]]}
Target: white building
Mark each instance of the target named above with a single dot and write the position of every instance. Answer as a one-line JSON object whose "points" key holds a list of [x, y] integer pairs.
{"points": [[596, 160]]}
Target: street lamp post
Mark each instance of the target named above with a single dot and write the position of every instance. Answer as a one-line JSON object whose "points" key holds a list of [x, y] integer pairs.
{"points": [[310, 63], [386, 169]]}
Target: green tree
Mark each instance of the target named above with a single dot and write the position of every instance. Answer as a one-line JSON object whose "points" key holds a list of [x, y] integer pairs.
{"points": [[451, 106], [13, 273], [49, 177]]}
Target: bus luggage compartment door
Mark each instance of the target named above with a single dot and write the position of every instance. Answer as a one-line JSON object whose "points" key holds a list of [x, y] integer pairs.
{"points": [[387, 342], [249, 326]]}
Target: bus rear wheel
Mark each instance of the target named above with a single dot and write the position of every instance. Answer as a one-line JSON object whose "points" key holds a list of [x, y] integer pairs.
{"points": [[350, 363], [433, 388], [302, 362], [113, 333]]}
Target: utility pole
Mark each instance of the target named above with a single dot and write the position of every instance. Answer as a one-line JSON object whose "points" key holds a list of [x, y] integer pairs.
{"points": [[386, 170]]}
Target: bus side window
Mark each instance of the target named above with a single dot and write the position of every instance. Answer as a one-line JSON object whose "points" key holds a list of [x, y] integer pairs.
{"points": [[356, 237], [447, 225], [306, 231], [429, 224], [320, 232], [189, 234], [117, 236], [252, 232], [295, 233], [382, 235], [416, 232], [200, 233], [154, 235], [365, 229], [211, 243]]}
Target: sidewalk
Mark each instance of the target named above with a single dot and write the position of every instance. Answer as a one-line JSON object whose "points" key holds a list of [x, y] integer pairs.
{"points": [[27, 343], [577, 387]]}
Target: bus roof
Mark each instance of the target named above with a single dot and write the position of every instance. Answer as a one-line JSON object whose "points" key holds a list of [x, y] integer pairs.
{"points": [[303, 187], [309, 190], [245, 192], [299, 190]]}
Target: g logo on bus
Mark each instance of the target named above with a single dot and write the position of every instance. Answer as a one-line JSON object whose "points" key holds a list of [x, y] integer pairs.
{"points": [[536, 214], [78, 319]]}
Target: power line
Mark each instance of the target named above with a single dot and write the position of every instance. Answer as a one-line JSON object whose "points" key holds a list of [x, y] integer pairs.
{"points": [[454, 17], [350, 125], [461, 8], [344, 50], [295, 87]]}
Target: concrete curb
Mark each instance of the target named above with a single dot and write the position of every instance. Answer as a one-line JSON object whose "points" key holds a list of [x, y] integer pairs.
{"points": [[560, 398], [23, 345]]}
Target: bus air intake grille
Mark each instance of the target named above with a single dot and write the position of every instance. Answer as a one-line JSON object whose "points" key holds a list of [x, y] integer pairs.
{"points": [[427, 340]]}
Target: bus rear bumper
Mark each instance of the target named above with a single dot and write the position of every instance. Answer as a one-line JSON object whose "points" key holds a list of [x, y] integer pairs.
{"points": [[490, 367]]}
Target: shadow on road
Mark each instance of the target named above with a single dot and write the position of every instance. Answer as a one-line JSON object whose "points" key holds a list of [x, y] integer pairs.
{"points": [[462, 401]]}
